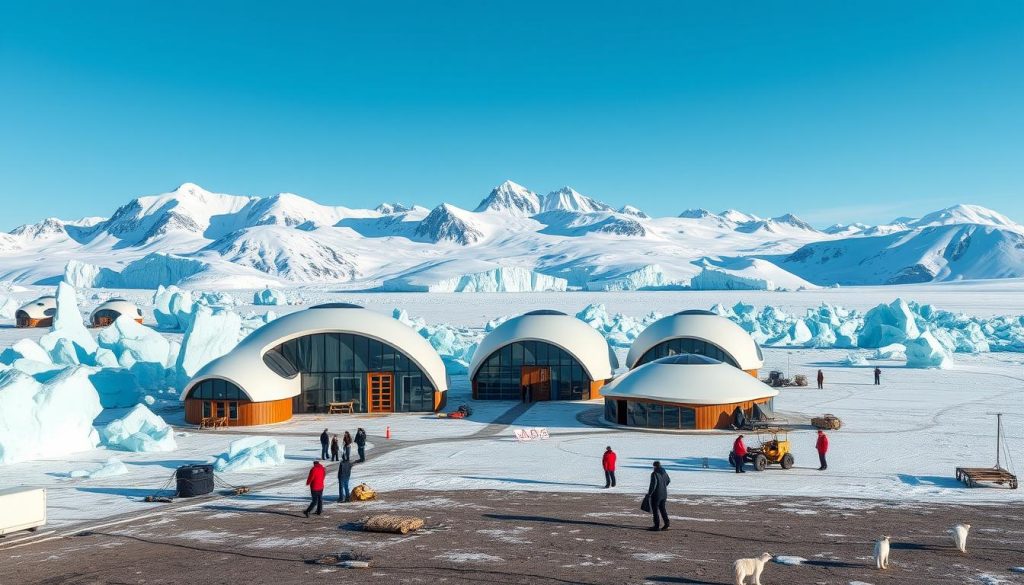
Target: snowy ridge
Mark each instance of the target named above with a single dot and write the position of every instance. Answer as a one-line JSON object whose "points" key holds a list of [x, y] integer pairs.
{"points": [[194, 236]]}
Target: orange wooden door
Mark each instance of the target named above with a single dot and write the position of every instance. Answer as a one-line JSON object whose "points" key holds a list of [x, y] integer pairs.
{"points": [[382, 391], [538, 380]]}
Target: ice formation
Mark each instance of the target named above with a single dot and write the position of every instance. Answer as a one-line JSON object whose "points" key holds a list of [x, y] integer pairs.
{"points": [[650, 276], [68, 341], [173, 308], [745, 274], [139, 430], [8, 307], [500, 279], [925, 351], [250, 453], [46, 418], [455, 345], [620, 330], [269, 296], [212, 333], [887, 324], [110, 468]]}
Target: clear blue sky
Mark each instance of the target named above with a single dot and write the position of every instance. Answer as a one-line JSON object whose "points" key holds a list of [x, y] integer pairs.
{"points": [[835, 110]]}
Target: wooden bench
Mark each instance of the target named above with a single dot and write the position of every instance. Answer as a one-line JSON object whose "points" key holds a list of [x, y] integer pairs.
{"points": [[341, 407], [206, 422], [975, 476], [213, 422]]}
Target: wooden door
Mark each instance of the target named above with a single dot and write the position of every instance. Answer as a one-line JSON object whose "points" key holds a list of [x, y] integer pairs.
{"points": [[538, 380], [382, 391]]}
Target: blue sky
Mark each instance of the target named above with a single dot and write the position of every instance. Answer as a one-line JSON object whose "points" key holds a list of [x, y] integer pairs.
{"points": [[838, 111]]}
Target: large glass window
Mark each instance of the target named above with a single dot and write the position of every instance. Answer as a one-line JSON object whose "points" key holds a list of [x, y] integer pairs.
{"points": [[216, 389], [334, 368], [685, 345], [502, 374], [651, 415]]}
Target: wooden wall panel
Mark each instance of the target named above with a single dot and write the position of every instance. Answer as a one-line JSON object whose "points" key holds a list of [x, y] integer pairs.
{"points": [[249, 413], [711, 416], [595, 388]]}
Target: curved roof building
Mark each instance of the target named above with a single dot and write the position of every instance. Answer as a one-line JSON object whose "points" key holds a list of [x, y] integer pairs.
{"points": [[683, 391], [541, 355], [697, 332], [333, 357], [110, 310], [37, 313]]}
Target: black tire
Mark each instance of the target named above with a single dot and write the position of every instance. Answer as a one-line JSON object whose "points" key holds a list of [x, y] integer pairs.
{"points": [[787, 461], [760, 462]]}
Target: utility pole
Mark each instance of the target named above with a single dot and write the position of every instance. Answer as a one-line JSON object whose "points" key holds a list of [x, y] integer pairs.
{"points": [[999, 436]]}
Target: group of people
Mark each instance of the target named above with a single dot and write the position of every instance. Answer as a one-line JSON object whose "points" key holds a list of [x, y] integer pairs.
{"points": [[656, 498], [821, 378], [331, 449]]}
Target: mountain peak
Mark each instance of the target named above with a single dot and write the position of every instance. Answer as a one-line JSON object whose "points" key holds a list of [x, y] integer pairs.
{"points": [[444, 223], [569, 199], [964, 214], [511, 197], [633, 211]]}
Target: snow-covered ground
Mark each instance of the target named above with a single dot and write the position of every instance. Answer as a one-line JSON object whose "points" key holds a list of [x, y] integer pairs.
{"points": [[901, 440]]}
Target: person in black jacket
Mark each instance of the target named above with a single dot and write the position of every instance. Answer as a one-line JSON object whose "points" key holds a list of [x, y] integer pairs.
{"points": [[344, 474], [334, 448], [361, 443], [658, 493], [325, 440]]}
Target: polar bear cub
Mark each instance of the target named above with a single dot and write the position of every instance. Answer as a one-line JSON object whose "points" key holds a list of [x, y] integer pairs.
{"points": [[744, 568], [882, 553]]}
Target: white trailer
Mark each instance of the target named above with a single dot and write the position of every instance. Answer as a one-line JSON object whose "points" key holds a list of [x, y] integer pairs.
{"points": [[22, 509]]}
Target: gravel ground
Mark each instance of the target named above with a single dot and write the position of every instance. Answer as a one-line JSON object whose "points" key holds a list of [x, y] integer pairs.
{"points": [[530, 537]]}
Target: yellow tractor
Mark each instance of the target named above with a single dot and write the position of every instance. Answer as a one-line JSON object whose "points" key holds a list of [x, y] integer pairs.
{"points": [[774, 450]]}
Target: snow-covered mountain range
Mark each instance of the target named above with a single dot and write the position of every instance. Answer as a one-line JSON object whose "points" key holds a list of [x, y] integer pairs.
{"points": [[515, 239]]}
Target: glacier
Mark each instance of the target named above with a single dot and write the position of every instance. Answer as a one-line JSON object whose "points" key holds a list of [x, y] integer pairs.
{"points": [[745, 274], [269, 296], [647, 277], [499, 279], [250, 453]]}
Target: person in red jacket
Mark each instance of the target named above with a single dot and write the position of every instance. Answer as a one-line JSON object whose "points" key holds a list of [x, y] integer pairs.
{"points": [[739, 453], [822, 447], [315, 481], [608, 463]]}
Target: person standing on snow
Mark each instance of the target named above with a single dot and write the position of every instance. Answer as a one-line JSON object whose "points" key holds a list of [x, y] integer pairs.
{"points": [[658, 494], [361, 443], [739, 453], [878, 377], [822, 448], [315, 481], [334, 448], [608, 463], [344, 474], [325, 439], [821, 380], [347, 442]]}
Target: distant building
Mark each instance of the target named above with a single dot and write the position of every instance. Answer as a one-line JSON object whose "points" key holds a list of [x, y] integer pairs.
{"points": [[554, 356], [37, 313], [697, 332], [307, 360], [109, 311]]}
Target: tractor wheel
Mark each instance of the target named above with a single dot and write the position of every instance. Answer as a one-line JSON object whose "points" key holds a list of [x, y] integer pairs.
{"points": [[787, 461], [760, 462]]}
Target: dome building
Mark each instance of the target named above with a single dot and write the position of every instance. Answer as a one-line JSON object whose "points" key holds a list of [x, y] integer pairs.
{"points": [[308, 360], [37, 313], [684, 391], [109, 311], [546, 355], [697, 332]]}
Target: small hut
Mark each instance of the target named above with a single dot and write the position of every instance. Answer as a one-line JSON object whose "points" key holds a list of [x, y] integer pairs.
{"points": [[37, 313], [109, 311]]}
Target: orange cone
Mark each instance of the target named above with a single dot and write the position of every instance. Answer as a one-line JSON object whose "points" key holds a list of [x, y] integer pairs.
{"points": [[387, 432]]}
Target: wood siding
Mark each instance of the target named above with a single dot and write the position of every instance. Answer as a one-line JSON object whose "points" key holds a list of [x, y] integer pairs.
{"points": [[249, 413], [595, 388], [708, 416], [24, 322], [752, 372]]}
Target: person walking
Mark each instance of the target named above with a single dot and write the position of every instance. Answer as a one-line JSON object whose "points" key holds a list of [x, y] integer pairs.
{"points": [[325, 440], [608, 463], [334, 448], [822, 448], [344, 474], [821, 380], [346, 441], [878, 377], [739, 453], [658, 494], [524, 391], [361, 443], [315, 481]]}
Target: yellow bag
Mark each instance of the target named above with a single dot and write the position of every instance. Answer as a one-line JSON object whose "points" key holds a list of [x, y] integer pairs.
{"points": [[361, 493]]}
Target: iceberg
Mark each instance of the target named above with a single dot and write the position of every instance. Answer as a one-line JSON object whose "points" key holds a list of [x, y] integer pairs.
{"points": [[895, 351], [745, 274], [212, 333], [650, 276], [455, 345], [269, 296], [140, 430], [500, 279], [926, 352], [126, 337], [48, 418], [8, 307], [250, 453], [888, 324], [84, 275], [173, 308], [68, 341]]}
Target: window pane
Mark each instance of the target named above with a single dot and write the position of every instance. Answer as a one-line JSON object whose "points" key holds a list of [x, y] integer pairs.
{"points": [[529, 353], [517, 354], [687, 418], [233, 410], [332, 352], [348, 362], [316, 353], [206, 409], [671, 415], [362, 351]]}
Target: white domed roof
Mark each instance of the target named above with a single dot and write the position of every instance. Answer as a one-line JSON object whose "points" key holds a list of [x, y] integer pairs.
{"points": [[577, 338], [121, 306], [688, 379], [245, 368], [36, 309], [705, 326]]}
